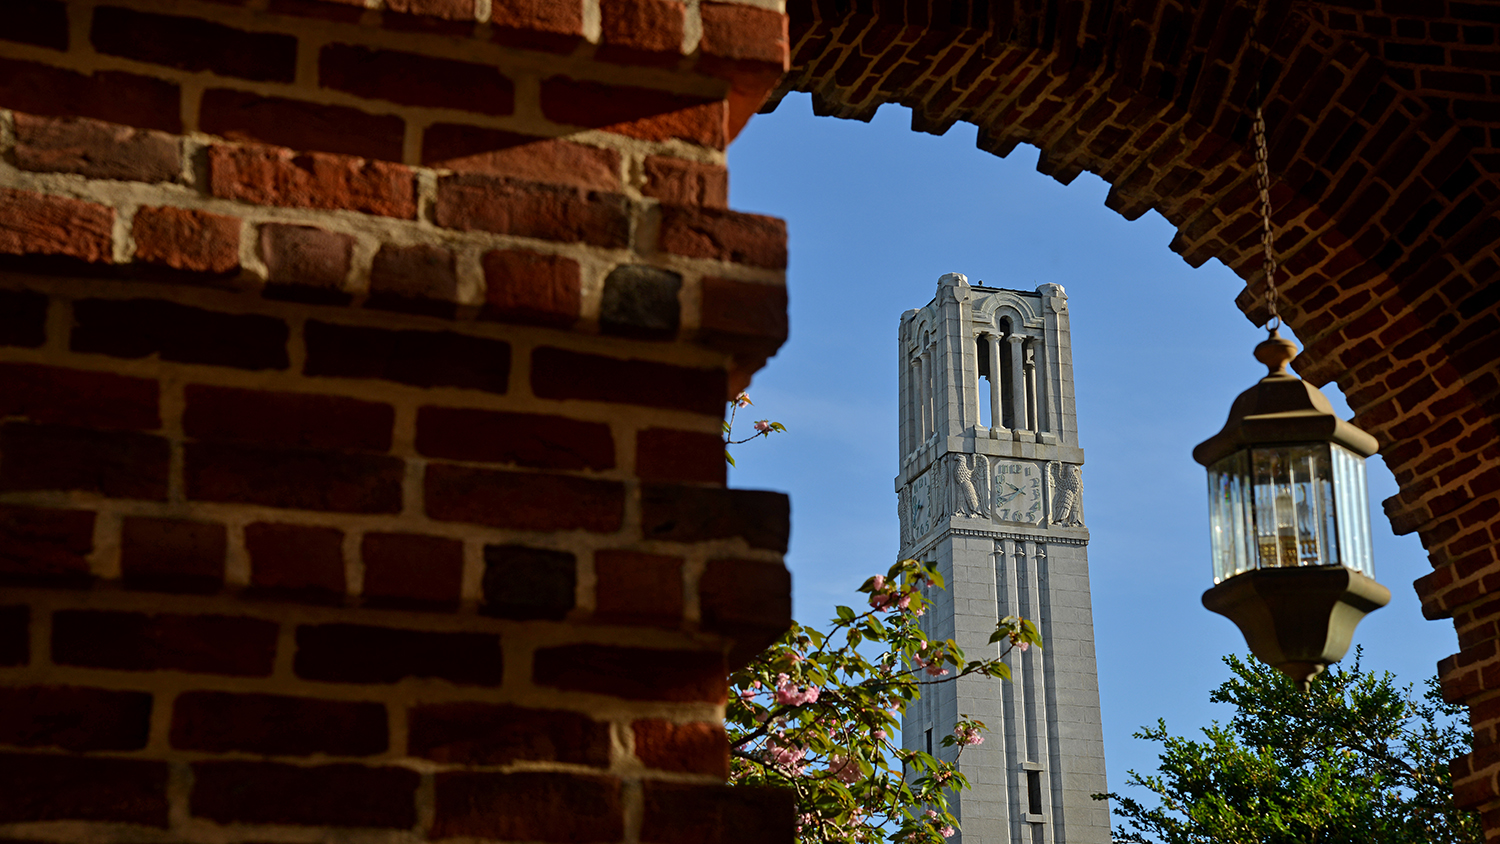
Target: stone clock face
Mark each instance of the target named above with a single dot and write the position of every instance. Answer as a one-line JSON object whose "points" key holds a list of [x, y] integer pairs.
{"points": [[1018, 492]]}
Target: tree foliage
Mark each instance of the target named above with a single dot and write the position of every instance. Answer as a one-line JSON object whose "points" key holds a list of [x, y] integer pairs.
{"points": [[816, 712], [1355, 759]]}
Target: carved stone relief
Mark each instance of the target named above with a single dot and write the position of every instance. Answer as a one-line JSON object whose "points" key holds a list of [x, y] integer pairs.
{"points": [[1067, 493]]}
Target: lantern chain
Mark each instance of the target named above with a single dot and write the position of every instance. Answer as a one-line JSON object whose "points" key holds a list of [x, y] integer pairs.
{"points": [[1263, 181]]}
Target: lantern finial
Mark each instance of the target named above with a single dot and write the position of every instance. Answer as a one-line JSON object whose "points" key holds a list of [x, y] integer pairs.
{"points": [[1276, 352]]}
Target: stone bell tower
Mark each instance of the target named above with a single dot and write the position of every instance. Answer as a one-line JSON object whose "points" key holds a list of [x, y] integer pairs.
{"points": [[990, 489]]}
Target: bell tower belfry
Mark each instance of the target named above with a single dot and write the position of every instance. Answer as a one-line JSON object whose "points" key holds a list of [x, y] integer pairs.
{"points": [[990, 489]]}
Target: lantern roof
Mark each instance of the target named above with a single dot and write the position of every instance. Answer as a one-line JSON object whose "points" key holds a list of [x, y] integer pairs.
{"points": [[1281, 409]]}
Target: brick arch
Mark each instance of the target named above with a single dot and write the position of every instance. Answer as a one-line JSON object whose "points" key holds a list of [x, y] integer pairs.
{"points": [[1385, 204]]}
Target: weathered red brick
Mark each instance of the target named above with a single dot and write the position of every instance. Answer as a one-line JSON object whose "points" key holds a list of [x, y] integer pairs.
{"points": [[95, 149], [641, 301], [644, 113], [682, 182], [298, 480], [743, 33], [138, 328], [684, 813], [23, 318], [242, 116], [412, 79], [40, 22], [293, 420], [414, 278], [749, 600], [114, 464], [74, 718], [194, 45], [527, 287], [445, 17], [35, 224], [105, 95], [698, 514], [721, 235], [638, 588], [408, 568], [564, 374], [45, 546], [476, 149], [662, 454], [418, 358], [318, 795], [306, 257], [185, 239], [499, 734], [172, 555], [633, 673], [555, 25], [452, 9], [52, 787], [15, 635], [525, 439], [480, 202], [697, 748], [356, 653], [630, 28], [742, 316], [277, 725], [527, 583], [51, 394], [297, 560], [523, 501], [528, 806], [129, 641], [271, 176]]}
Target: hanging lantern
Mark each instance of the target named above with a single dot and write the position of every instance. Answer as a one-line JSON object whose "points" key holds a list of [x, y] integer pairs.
{"points": [[1289, 518]]}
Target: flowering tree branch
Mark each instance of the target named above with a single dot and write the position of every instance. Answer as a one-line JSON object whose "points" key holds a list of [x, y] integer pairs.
{"points": [[816, 712], [763, 427]]}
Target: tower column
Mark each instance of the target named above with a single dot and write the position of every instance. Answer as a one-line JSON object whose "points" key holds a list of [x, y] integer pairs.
{"points": [[1018, 385], [997, 415]]}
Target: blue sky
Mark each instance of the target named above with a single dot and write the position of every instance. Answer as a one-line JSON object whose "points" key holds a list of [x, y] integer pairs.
{"points": [[876, 213]]}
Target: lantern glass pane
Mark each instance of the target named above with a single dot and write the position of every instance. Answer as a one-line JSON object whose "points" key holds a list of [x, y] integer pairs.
{"points": [[1352, 506], [1293, 498], [1229, 515]]}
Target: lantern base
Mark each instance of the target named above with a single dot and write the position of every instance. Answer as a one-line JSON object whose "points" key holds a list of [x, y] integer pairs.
{"points": [[1298, 620]]}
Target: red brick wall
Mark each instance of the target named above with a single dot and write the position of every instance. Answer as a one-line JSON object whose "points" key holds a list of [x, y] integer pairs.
{"points": [[361, 369], [1384, 121]]}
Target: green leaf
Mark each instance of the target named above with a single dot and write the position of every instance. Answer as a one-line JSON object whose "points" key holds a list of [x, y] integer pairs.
{"points": [[727, 457]]}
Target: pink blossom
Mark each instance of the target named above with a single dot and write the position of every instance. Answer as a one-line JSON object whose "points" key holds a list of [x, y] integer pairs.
{"points": [[878, 581], [931, 813], [743, 399], [1022, 646], [947, 831], [878, 735], [844, 769], [789, 757], [788, 694], [763, 426], [881, 600], [968, 735], [905, 601]]}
